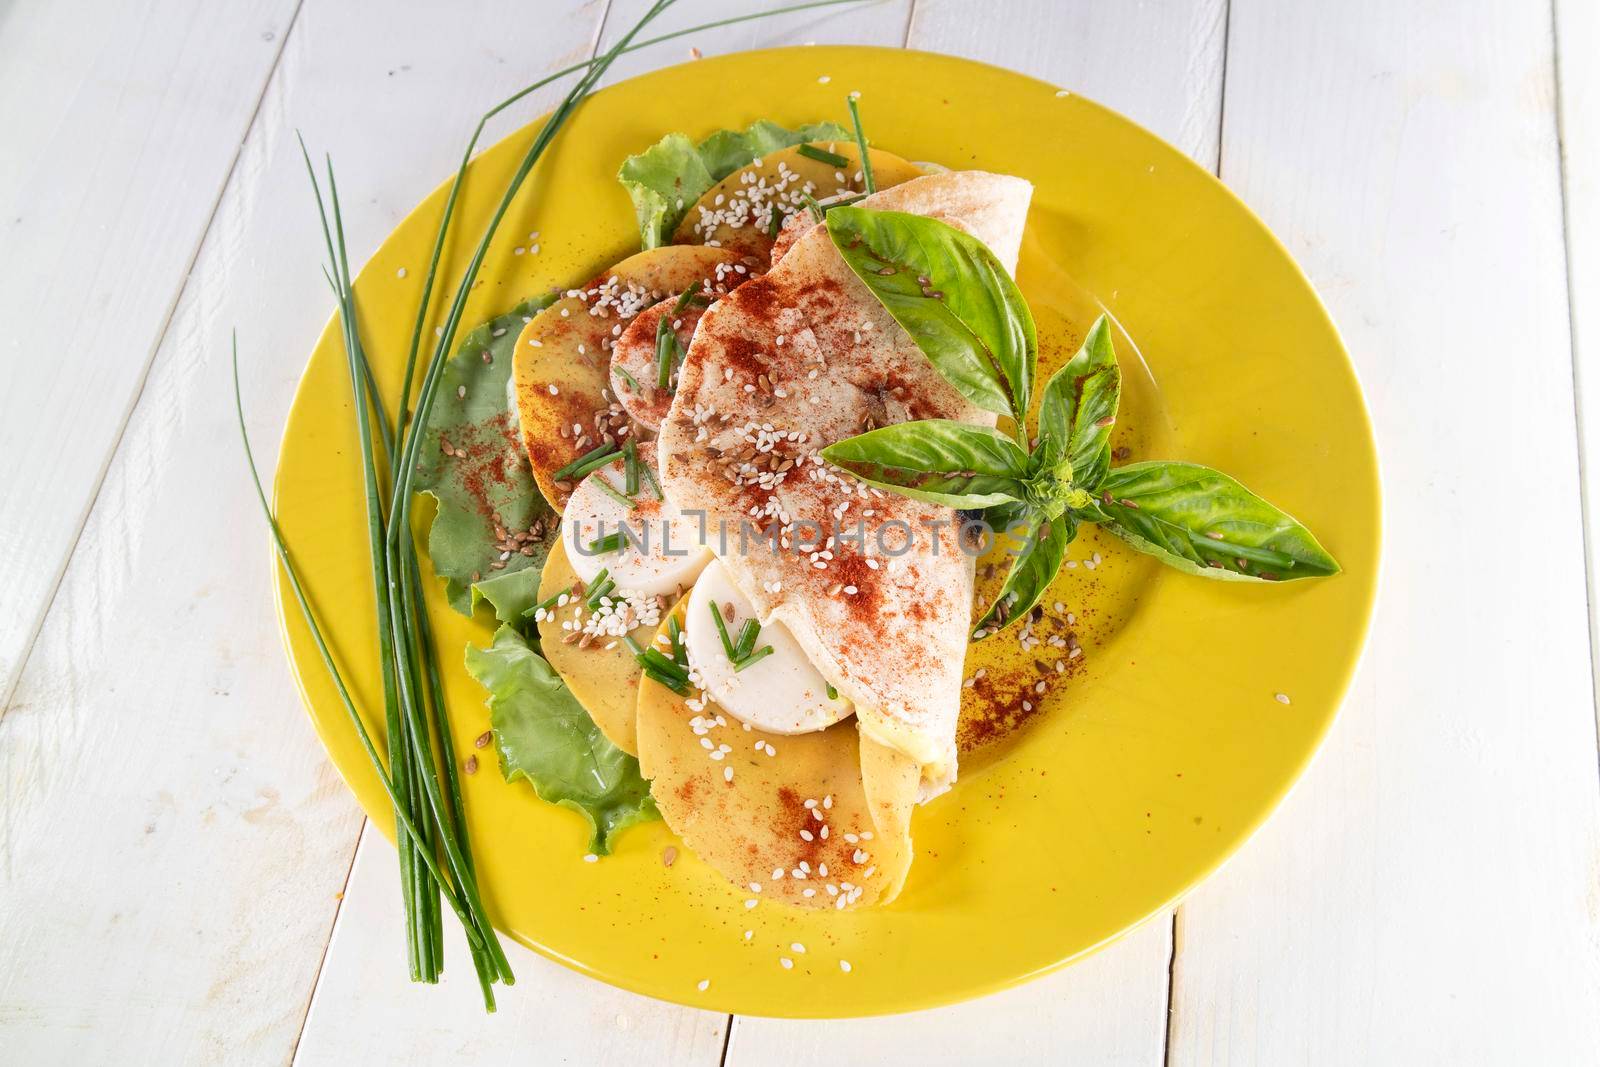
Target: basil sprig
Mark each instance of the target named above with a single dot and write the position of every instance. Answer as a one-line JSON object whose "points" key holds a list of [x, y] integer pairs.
{"points": [[958, 304]]}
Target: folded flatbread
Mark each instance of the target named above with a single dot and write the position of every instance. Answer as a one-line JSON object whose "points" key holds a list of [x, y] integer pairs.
{"points": [[875, 587]]}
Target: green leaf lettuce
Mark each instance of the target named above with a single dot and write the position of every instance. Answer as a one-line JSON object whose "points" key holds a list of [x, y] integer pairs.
{"points": [[545, 736], [488, 474], [668, 177]]}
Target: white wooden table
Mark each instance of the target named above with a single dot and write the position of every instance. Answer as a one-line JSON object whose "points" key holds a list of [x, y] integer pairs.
{"points": [[184, 879]]}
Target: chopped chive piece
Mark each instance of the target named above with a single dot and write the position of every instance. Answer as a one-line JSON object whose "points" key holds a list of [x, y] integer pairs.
{"points": [[654, 658], [547, 603], [833, 694], [687, 297], [611, 542], [650, 476], [722, 632], [595, 457], [747, 638], [659, 668], [675, 635], [601, 590], [775, 224], [633, 382], [861, 142], [755, 657], [666, 352], [681, 688], [822, 155], [630, 467], [602, 483]]}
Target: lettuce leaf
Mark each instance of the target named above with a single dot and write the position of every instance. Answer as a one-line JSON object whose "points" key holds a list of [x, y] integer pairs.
{"points": [[543, 734], [668, 177], [489, 473], [510, 595]]}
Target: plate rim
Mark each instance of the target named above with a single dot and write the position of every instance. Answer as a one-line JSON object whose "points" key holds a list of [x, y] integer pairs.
{"points": [[283, 597]]}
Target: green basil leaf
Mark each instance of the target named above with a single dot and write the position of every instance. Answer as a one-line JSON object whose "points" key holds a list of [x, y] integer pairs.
{"points": [[1079, 407], [486, 473], [952, 296], [1032, 571], [667, 178], [1203, 522], [544, 735], [937, 460]]}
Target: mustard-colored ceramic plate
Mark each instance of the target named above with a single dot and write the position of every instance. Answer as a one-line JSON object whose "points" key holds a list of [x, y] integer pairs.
{"points": [[1169, 747]]}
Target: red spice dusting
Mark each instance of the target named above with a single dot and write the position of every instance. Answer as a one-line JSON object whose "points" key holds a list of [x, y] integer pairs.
{"points": [[850, 568], [484, 460], [744, 356], [794, 816]]}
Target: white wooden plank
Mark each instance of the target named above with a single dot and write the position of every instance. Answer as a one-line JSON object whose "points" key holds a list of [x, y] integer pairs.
{"points": [[1428, 893], [121, 123], [1159, 63], [1578, 85], [1096, 1012], [880, 23], [172, 838], [366, 1012], [1162, 65]]}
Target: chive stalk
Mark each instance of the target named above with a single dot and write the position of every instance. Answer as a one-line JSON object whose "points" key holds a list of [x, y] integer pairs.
{"points": [[867, 181], [429, 820]]}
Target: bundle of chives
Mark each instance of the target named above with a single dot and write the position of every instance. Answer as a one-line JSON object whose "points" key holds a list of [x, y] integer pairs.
{"points": [[428, 819]]}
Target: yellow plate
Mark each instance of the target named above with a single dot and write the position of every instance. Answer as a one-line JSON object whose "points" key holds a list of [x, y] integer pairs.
{"points": [[1168, 748]]}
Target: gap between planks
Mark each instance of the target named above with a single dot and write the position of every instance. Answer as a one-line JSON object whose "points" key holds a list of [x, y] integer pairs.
{"points": [[1585, 504]]}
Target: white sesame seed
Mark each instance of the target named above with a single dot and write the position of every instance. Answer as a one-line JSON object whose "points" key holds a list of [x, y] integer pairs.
{"points": [[748, 934], [844, 965], [750, 903], [591, 858], [401, 273], [1282, 698], [786, 963], [824, 80], [705, 984], [798, 948], [727, 772]]}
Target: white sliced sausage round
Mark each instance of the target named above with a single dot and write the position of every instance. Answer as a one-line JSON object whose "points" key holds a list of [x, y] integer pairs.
{"points": [[662, 550], [781, 693]]}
